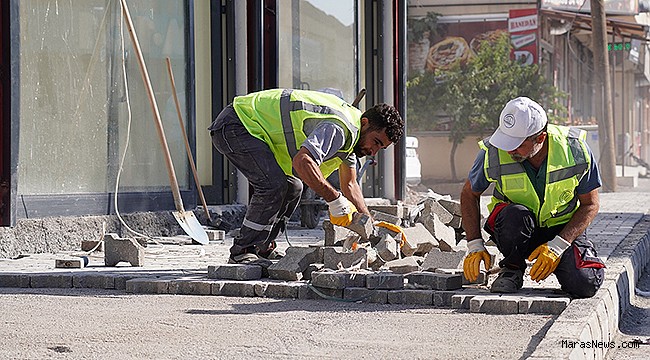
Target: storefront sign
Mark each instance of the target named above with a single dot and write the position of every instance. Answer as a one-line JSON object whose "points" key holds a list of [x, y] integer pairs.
{"points": [[523, 29], [612, 7]]}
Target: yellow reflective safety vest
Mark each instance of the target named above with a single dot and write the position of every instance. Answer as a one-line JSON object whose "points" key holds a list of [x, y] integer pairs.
{"points": [[277, 117], [567, 162]]}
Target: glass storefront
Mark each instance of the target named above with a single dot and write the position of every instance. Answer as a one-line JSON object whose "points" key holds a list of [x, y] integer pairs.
{"points": [[74, 118]]}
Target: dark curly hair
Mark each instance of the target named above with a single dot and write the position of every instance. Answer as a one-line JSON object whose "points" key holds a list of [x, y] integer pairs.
{"points": [[384, 116]]}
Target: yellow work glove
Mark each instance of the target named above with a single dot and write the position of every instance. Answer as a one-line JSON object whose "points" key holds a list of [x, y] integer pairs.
{"points": [[476, 253], [394, 228], [548, 257], [341, 210]]}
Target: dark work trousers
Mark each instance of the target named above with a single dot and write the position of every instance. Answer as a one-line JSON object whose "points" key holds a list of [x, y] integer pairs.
{"points": [[516, 235], [275, 195]]}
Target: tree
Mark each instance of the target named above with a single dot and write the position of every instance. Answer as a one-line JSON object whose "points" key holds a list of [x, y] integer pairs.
{"points": [[472, 95]]}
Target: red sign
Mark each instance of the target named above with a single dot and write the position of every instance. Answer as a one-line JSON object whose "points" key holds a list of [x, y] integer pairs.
{"points": [[523, 28]]}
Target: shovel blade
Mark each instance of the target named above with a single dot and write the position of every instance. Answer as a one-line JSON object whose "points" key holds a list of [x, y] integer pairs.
{"points": [[191, 226]]}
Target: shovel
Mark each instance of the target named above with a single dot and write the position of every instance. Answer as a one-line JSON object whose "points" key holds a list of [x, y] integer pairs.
{"points": [[185, 219]]}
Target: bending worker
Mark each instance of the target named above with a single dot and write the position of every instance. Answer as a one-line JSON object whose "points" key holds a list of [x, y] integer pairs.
{"points": [[545, 195], [278, 139]]}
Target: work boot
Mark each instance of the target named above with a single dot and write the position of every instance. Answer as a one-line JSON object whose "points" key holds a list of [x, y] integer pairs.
{"points": [[249, 258], [272, 252], [508, 281]]}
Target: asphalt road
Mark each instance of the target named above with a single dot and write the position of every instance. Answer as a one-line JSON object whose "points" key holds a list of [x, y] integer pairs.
{"points": [[70, 323], [633, 339]]}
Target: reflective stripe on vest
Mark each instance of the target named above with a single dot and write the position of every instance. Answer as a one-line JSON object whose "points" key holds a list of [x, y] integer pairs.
{"points": [[567, 162]]}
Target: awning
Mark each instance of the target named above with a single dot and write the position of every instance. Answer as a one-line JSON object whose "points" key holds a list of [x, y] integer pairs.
{"points": [[619, 26]]}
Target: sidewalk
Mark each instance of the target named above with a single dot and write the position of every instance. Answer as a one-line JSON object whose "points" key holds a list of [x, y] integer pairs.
{"points": [[620, 233]]}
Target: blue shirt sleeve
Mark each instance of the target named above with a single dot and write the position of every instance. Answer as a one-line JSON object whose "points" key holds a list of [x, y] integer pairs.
{"points": [[591, 180], [476, 175]]}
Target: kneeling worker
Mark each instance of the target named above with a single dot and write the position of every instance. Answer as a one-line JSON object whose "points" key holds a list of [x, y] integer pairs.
{"points": [[281, 137], [545, 195]]}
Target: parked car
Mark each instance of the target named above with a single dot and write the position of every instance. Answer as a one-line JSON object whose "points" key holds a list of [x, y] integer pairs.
{"points": [[413, 165]]}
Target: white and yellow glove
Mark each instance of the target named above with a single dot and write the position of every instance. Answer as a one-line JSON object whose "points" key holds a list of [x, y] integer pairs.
{"points": [[476, 253], [341, 210], [548, 258]]}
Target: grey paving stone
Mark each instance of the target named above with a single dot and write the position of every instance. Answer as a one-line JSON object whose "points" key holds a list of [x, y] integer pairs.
{"points": [[235, 272], [334, 235], [14, 280], [279, 289], [94, 281], [418, 240], [313, 293], [403, 266], [387, 248], [306, 275], [490, 304], [437, 259], [122, 250], [395, 210], [69, 263], [385, 281], [433, 207], [147, 286], [365, 295], [332, 280], [407, 296], [461, 300], [435, 281], [296, 260], [191, 287], [543, 305], [382, 216], [54, 280], [333, 256], [453, 206], [362, 225], [442, 298], [233, 288]]}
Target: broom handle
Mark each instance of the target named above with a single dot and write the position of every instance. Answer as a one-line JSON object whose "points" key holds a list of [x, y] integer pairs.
{"points": [[187, 143], [154, 108]]}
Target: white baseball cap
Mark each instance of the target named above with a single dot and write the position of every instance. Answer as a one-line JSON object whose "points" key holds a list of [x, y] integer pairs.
{"points": [[519, 119]]}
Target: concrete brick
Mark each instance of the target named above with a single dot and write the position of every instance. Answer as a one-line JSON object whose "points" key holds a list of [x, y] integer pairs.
{"points": [[362, 225], [480, 280], [278, 290], [442, 298], [462, 299], [385, 281], [147, 286], [435, 281], [122, 249], [120, 280], [70, 263], [419, 297], [395, 210], [382, 216], [306, 275], [453, 206], [334, 235], [332, 280], [191, 287], [501, 305], [365, 295], [235, 272], [292, 265], [14, 280], [94, 281], [332, 257], [60, 280], [387, 248], [216, 235], [233, 288], [309, 292], [418, 240], [92, 245], [433, 207], [445, 235], [403, 266], [437, 259], [543, 305]]}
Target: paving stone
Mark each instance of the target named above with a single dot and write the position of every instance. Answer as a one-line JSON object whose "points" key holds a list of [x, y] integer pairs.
{"points": [[419, 297], [382, 216], [92, 245], [365, 295], [72, 263], [443, 298], [418, 240], [279, 289], [480, 280], [147, 286], [191, 287], [456, 222], [233, 288], [433, 207], [94, 281], [453, 206], [296, 260], [235, 272], [122, 249], [437, 259], [60, 280], [216, 235], [120, 280], [334, 235], [387, 248], [403, 266], [333, 256], [14, 280], [385, 281], [462, 299], [332, 280], [445, 235], [491, 304], [309, 292], [362, 225], [435, 281], [306, 275], [395, 210], [543, 305]]}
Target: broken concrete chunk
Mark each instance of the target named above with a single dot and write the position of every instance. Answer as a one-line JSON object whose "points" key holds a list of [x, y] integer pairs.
{"points": [[387, 248], [362, 225], [453, 206], [418, 240], [432, 207], [122, 249], [445, 235], [332, 257], [334, 235], [71, 263], [445, 260], [235, 272], [338, 280], [385, 281], [395, 210], [403, 266], [292, 265], [92, 245], [382, 216]]}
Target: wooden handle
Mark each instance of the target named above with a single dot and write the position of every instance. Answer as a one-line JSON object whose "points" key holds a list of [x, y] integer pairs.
{"points": [[187, 143], [154, 108]]}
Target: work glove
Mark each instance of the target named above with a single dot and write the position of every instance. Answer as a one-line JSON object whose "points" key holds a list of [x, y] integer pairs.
{"points": [[476, 253], [394, 228], [548, 257], [341, 210]]}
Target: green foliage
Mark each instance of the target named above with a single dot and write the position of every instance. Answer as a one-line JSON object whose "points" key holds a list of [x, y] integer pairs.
{"points": [[418, 28]]}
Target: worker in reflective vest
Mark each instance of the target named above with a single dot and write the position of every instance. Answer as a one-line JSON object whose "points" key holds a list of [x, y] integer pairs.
{"points": [[280, 138], [545, 195]]}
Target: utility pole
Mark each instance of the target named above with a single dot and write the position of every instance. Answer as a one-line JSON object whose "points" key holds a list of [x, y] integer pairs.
{"points": [[603, 97]]}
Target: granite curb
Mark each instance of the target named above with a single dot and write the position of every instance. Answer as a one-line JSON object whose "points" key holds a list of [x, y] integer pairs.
{"points": [[586, 329]]}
